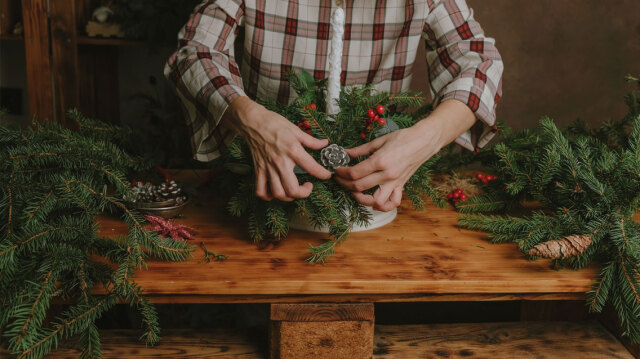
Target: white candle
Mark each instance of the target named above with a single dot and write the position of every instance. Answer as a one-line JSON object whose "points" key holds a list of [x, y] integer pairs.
{"points": [[335, 61]]}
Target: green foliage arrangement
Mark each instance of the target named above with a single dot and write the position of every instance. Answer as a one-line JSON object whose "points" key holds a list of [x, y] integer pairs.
{"points": [[587, 182], [54, 183], [329, 203]]}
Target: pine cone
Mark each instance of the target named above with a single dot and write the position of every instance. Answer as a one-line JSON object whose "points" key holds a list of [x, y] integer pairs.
{"points": [[566, 247], [334, 156]]}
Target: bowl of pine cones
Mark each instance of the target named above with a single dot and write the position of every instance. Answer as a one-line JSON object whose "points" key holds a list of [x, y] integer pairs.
{"points": [[166, 200]]}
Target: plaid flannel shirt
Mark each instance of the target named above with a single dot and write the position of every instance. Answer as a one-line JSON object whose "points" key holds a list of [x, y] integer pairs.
{"points": [[380, 44]]}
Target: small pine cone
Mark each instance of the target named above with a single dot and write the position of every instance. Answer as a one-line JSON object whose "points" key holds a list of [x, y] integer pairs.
{"points": [[566, 247]]}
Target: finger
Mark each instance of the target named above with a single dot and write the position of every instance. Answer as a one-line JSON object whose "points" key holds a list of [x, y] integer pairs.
{"points": [[381, 196], [362, 184], [394, 200], [363, 150], [363, 199], [291, 186], [312, 142], [304, 160], [276, 187], [362, 169], [261, 185]]}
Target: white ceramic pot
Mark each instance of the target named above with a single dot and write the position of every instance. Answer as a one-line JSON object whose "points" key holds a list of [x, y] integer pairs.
{"points": [[378, 219]]}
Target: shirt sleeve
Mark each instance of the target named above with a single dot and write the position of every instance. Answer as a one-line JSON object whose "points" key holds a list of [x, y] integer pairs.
{"points": [[463, 65], [205, 74]]}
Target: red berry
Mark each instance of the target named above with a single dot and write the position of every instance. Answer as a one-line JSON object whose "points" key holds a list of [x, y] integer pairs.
{"points": [[485, 180], [456, 195], [489, 178], [450, 195], [380, 109], [134, 183], [362, 135], [382, 121], [309, 132], [479, 176], [369, 128], [313, 106], [463, 197], [376, 118], [459, 190], [494, 178], [371, 114]]}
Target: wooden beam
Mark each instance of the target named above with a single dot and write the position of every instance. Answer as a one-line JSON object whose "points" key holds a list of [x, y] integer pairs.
{"points": [[38, 63], [64, 53], [321, 331]]}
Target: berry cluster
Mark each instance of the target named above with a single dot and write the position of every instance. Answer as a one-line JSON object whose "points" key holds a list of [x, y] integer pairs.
{"points": [[373, 119], [457, 196], [485, 178], [305, 125]]}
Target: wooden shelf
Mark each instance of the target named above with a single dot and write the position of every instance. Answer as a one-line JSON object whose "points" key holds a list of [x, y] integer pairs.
{"points": [[10, 37], [102, 41]]}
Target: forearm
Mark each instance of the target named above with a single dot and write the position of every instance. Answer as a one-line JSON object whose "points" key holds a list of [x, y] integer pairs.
{"points": [[449, 120]]}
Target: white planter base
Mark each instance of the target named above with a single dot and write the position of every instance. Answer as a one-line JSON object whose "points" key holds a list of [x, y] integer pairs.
{"points": [[378, 219]]}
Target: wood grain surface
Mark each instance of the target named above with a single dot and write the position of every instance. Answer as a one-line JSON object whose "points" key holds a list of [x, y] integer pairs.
{"points": [[525, 340], [38, 63], [420, 253], [175, 344]]}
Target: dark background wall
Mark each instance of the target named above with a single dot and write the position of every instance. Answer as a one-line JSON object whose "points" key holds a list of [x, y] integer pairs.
{"points": [[563, 58]]}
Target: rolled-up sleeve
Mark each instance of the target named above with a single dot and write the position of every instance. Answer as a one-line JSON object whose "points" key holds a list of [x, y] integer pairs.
{"points": [[205, 74], [464, 65]]}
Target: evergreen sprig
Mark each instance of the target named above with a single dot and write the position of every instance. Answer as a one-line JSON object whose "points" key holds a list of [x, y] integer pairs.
{"points": [[54, 183], [329, 205], [588, 183]]}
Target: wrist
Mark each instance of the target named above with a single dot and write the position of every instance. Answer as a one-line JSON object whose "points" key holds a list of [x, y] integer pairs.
{"points": [[240, 114]]}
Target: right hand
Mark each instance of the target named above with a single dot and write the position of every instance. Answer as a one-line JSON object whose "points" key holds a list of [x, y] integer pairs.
{"points": [[277, 146]]}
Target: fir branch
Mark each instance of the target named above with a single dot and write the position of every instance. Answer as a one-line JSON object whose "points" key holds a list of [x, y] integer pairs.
{"points": [[34, 350], [599, 294], [36, 303], [319, 254], [210, 255], [40, 205]]}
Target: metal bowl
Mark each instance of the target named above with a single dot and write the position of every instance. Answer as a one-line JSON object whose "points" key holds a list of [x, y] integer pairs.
{"points": [[168, 211], [159, 204]]}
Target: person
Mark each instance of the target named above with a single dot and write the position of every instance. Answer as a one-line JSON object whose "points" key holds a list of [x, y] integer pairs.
{"points": [[380, 44]]}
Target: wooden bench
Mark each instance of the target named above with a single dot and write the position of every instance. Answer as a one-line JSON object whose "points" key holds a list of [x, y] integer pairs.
{"points": [[327, 310]]}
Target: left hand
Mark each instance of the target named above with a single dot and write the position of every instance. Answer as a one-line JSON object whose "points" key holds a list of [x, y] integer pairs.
{"points": [[395, 157]]}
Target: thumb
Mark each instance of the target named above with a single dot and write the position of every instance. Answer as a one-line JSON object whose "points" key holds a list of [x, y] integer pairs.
{"points": [[312, 142]]}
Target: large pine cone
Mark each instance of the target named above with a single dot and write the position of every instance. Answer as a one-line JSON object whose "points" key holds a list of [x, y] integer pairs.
{"points": [[566, 247]]}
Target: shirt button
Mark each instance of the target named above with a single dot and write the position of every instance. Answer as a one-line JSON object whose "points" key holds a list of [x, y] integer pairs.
{"points": [[338, 2]]}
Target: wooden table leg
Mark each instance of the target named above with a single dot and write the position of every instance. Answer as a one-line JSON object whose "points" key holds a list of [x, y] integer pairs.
{"points": [[321, 331]]}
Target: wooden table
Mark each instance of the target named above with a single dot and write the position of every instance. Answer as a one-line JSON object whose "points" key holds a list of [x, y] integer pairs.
{"points": [[421, 256]]}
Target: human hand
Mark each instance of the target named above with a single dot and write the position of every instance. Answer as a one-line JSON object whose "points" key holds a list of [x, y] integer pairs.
{"points": [[277, 145], [395, 157]]}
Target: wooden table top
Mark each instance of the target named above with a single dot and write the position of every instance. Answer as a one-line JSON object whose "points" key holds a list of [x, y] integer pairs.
{"points": [[421, 256]]}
